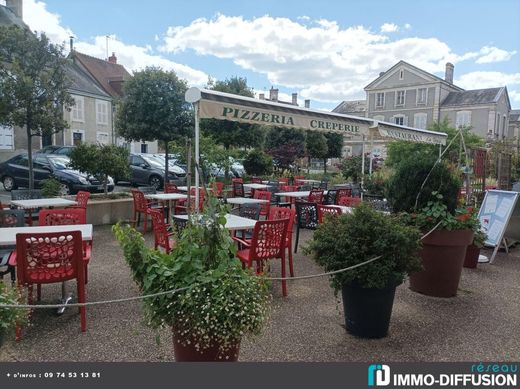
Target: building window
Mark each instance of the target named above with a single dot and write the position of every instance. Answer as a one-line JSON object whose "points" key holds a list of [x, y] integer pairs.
{"points": [[399, 97], [380, 100], [400, 119], [78, 110], [421, 96], [78, 137], [504, 127], [419, 120], [102, 112], [102, 138], [401, 74], [379, 118], [6, 138], [144, 148], [463, 119]]}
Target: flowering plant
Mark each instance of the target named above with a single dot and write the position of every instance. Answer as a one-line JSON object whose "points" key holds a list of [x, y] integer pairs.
{"points": [[218, 301], [10, 316]]}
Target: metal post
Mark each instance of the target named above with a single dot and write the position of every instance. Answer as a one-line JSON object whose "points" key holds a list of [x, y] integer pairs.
{"points": [[371, 154], [363, 161], [197, 135]]}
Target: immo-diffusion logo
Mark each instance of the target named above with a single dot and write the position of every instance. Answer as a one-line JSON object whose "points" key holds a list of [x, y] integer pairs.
{"points": [[378, 375]]}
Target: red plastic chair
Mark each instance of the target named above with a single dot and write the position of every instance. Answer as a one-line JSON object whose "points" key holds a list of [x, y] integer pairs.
{"points": [[263, 195], [349, 201], [170, 188], [326, 211], [44, 258], [162, 238], [218, 188], [297, 180], [180, 207], [268, 242], [82, 198], [256, 180], [315, 196], [345, 192], [237, 179], [141, 206], [278, 213], [283, 181]]}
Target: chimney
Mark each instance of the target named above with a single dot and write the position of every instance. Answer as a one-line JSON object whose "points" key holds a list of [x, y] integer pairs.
{"points": [[71, 43], [16, 6], [448, 76], [307, 103], [261, 96], [273, 94], [295, 99], [112, 58]]}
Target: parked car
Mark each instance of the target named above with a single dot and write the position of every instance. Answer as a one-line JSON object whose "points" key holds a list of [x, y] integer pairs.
{"points": [[173, 159], [49, 149], [14, 173], [148, 170], [64, 150]]}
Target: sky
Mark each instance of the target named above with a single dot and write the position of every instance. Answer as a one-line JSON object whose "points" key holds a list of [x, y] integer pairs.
{"points": [[326, 51]]}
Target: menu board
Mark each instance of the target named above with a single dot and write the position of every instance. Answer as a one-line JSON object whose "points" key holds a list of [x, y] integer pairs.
{"points": [[495, 215]]}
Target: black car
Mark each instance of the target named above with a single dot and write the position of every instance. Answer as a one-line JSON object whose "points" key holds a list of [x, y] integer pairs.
{"points": [[14, 173], [148, 170]]}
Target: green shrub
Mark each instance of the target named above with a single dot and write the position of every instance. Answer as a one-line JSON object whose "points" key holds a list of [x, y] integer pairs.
{"points": [[258, 163], [354, 238], [51, 187], [405, 184], [10, 316]]}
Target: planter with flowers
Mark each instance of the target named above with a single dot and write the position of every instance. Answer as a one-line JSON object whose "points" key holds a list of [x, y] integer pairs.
{"points": [[444, 248], [218, 303], [473, 251], [368, 291]]}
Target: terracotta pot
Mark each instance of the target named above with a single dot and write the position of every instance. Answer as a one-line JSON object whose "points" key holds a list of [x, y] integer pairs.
{"points": [[442, 255], [472, 254], [188, 352]]}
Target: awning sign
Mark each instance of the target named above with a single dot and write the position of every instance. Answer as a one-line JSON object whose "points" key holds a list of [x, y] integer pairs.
{"points": [[411, 135], [253, 115]]}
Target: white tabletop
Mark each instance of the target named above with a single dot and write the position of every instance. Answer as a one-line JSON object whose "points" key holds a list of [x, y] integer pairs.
{"points": [[308, 181], [8, 234], [256, 186], [185, 188], [43, 203], [166, 196], [245, 200], [303, 193], [342, 207], [233, 222]]}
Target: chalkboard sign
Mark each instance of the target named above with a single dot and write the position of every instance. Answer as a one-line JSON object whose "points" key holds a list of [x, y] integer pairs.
{"points": [[495, 216]]}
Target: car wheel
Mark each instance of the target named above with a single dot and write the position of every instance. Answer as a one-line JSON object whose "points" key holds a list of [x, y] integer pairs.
{"points": [[9, 183], [156, 182], [65, 190]]}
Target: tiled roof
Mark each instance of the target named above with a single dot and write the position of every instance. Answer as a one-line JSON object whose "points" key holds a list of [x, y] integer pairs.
{"points": [[83, 82], [351, 106], [109, 75], [514, 115], [472, 97]]}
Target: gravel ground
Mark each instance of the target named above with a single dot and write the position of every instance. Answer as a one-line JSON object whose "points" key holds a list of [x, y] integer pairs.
{"points": [[481, 323]]}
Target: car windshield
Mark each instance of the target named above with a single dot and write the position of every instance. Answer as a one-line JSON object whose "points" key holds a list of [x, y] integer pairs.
{"points": [[59, 163], [153, 162]]}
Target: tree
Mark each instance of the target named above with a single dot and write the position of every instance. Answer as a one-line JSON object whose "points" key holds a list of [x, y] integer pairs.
{"points": [[153, 108], [33, 85], [229, 133], [101, 161], [334, 146], [285, 145], [258, 163], [316, 146]]}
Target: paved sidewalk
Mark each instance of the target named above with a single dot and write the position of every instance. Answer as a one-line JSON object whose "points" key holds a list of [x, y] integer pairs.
{"points": [[480, 324]]}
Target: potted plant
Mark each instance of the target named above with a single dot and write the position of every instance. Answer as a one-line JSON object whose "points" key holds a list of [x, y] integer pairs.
{"points": [[10, 316], [218, 301], [473, 250], [368, 291], [444, 247]]}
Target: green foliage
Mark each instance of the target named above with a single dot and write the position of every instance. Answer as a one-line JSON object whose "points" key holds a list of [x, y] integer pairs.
{"points": [[51, 187], [285, 145], [316, 145], [350, 167], [334, 144], [10, 316], [404, 186], [258, 163], [101, 161], [364, 234], [376, 183], [219, 302], [33, 85]]}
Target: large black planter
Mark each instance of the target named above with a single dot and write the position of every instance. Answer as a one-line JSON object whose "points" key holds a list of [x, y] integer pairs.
{"points": [[368, 310]]}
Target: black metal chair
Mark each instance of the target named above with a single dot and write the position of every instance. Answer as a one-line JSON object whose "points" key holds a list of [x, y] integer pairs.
{"points": [[306, 217], [250, 211], [28, 194], [330, 197], [324, 185], [238, 189], [9, 218], [179, 225]]}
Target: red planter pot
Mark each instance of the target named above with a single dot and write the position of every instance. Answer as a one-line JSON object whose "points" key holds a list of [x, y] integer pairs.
{"points": [[442, 255], [188, 352], [472, 254]]}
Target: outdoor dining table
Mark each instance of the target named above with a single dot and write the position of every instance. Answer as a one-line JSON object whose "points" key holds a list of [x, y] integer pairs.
{"points": [[245, 200], [42, 203], [233, 222], [8, 238], [256, 186], [185, 188], [299, 194], [169, 197]]}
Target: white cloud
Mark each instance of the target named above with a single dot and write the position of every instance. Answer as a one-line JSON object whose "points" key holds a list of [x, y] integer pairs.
{"points": [[494, 54], [389, 27], [130, 56], [514, 96], [479, 80], [407, 26]]}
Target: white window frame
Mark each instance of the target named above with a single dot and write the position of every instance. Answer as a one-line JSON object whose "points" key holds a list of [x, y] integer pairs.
{"points": [[423, 117], [77, 114], [75, 131], [377, 100], [105, 134], [397, 104], [400, 116], [102, 117], [6, 132], [417, 102], [459, 119]]}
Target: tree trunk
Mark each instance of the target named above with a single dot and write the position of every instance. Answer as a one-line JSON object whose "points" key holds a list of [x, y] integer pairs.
{"points": [[325, 165], [308, 165], [29, 155], [105, 183], [165, 163]]}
